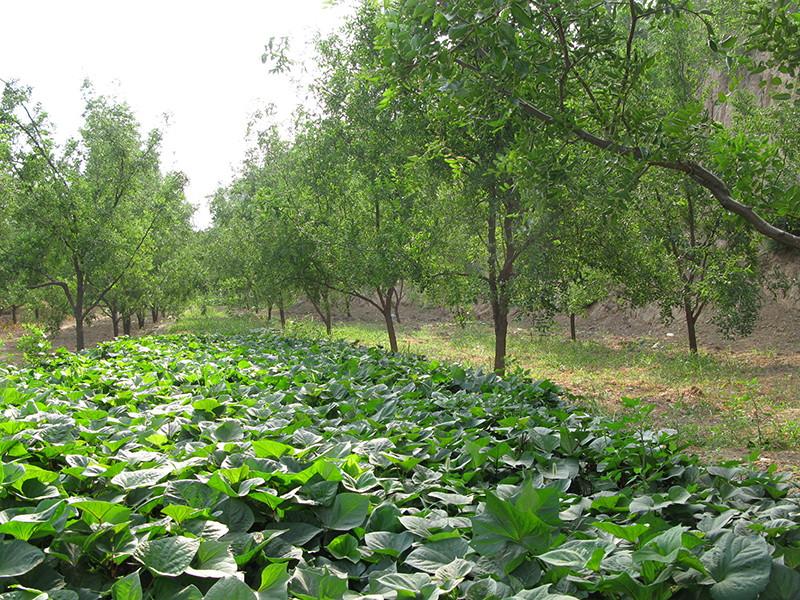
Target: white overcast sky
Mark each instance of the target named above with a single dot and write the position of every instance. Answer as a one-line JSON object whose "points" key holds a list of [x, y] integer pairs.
{"points": [[198, 61]]}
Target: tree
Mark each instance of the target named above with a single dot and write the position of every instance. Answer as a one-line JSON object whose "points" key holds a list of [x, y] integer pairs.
{"points": [[578, 67], [363, 219], [707, 260], [82, 215]]}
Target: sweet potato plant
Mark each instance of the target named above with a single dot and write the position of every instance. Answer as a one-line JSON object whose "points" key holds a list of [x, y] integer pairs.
{"points": [[227, 468]]}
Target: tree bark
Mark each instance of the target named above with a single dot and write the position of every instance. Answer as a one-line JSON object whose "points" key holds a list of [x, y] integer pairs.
{"points": [[572, 332], [14, 308], [324, 311], [154, 313], [398, 295], [126, 325], [386, 309], [140, 319], [691, 319], [500, 318], [114, 318], [282, 312], [77, 306]]}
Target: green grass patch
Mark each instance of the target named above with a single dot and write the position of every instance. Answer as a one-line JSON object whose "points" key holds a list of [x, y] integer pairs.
{"points": [[213, 320]]}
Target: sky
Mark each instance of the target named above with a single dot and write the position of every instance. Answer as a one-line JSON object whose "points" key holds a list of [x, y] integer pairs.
{"points": [[199, 62]]}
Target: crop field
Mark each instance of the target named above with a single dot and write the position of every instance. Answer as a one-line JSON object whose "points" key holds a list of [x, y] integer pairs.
{"points": [[255, 466]]}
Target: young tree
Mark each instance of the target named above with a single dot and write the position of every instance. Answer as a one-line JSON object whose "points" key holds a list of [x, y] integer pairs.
{"points": [[82, 216]]}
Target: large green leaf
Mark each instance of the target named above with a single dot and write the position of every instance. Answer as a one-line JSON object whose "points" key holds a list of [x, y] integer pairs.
{"points": [[127, 588], [129, 480], [784, 584], [169, 556], [18, 557], [347, 512], [501, 522], [274, 581], [432, 556], [230, 588], [740, 566], [392, 544], [317, 584], [213, 559]]}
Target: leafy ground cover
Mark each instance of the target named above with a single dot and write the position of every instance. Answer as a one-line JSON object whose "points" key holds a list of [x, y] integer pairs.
{"points": [[226, 468], [746, 399]]}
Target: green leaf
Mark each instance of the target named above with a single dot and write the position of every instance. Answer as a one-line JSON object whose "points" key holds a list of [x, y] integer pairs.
{"points": [[169, 556], [97, 511], [784, 584], [431, 556], [229, 588], [317, 583], [130, 480], [229, 431], [384, 542], [347, 512], [502, 522], [213, 559], [274, 581], [629, 533], [345, 547], [127, 588], [18, 557], [740, 566]]}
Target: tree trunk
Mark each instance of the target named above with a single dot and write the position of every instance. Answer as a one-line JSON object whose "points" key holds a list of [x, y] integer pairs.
{"points": [[691, 319], [269, 312], [14, 308], [36, 312], [500, 318], [154, 313], [324, 312], [140, 318], [572, 333], [126, 325], [386, 309], [115, 320], [282, 313], [77, 306]]}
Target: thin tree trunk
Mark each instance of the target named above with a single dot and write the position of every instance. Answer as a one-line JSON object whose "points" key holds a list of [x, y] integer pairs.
{"points": [[500, 318], [572, 333], [324, 312], [36, 312], [154, 313], [386, 309], [126, 325], [269, 312], [14, 313], [114, 318], [140, 319], [691, 319], [282, 312], [77, 307]]}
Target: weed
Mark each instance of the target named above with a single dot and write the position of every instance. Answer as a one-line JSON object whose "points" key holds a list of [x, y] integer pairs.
{"points": [[34, 345]]}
